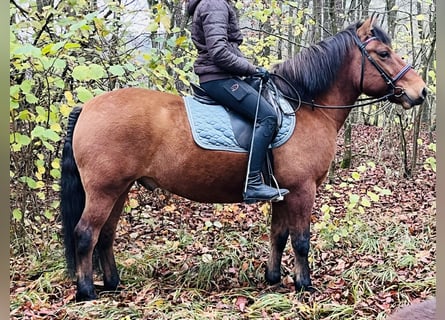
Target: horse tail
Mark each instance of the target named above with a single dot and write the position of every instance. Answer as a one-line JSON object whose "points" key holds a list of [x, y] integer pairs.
{"points": [[72, 193]]}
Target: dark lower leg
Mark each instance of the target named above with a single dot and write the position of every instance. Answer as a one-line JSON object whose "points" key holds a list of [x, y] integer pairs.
{"points": [[108, 263], [84, 255], [300, 245], [278, 243], [105, 246]]}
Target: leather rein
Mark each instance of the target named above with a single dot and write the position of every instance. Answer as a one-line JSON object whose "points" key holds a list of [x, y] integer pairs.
{"points": [[391, 82]]}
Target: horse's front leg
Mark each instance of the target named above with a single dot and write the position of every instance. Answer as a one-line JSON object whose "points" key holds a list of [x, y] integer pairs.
{"points": [[300, 243], [291, 217], [279, 233], [299, 229]]}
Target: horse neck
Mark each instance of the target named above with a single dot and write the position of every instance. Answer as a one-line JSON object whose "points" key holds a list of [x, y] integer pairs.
{"points": [[342, 93]]}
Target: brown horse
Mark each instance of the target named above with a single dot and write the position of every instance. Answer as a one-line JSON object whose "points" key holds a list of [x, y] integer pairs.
{"points": [[141, 135]]}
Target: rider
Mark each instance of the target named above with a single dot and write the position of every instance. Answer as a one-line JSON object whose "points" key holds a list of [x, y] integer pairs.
{"points": [[219, 66]]}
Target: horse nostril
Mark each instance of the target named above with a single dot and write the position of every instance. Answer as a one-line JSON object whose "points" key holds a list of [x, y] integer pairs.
{"points": [[424, 93]]}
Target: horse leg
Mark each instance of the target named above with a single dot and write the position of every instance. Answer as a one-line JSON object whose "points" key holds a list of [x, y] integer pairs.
{"points": [[279, 232], [97, 211], [291, 217], [299, 230], [105, 245]]}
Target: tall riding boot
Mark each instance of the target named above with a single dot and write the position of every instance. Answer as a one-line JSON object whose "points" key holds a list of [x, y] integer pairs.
{"points": [[256, 190]]}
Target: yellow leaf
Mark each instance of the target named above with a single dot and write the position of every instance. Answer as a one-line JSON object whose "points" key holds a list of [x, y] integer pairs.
{"points": [[170, 208], [56, 127], [265, 208], [133, 203], [55, 164], [40, 184], [65, 110]]}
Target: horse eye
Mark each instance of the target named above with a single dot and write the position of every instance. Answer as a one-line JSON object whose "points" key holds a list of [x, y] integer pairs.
{"points": [[383, 54]]}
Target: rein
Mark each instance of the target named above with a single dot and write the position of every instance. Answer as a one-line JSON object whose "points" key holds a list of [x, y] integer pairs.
{"points": [[396, 90], [321, 106]]}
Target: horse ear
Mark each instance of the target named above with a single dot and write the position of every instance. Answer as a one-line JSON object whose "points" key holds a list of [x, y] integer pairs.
{"points": [[374, 18], [365, 30]]}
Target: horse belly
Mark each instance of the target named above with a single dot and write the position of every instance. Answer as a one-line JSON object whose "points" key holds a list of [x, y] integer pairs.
{"points": [[200, 175]]}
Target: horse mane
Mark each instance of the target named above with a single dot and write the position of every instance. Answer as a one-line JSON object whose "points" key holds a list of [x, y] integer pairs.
{"points": [[312, 71]]}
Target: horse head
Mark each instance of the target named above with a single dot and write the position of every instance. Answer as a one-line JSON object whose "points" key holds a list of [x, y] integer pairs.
{"points": [[384, 72]]}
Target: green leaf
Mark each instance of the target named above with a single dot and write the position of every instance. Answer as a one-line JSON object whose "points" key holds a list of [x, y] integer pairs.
{"points": [[354, 198], [374, 197], [83, 94], [28, 50], [38, 132], [26, 86], [32, 184], [71, 45], [130, 67], [48, 214], [116, 70], [355, 175], [365, 202], [51, 135], [59, 64], [17, 214], [371, 164], [325, 208], [96, 71], [20, 139], [432, 147], [30, 98], [81, 73], [55, 204]]}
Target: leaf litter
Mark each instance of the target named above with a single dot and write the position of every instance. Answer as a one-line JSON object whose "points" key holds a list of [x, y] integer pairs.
{"points": [[184, 260]]}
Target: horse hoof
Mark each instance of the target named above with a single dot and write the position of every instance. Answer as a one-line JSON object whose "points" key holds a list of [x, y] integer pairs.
{"points": [[272, 277], [301, 287], [85, 297]]}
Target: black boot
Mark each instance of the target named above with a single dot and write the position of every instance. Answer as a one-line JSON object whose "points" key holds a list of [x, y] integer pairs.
{"points": [[255, 189], [258, 191]]}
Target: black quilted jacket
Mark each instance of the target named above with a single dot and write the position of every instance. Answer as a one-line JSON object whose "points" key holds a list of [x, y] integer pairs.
{"points": [[216, 35]]}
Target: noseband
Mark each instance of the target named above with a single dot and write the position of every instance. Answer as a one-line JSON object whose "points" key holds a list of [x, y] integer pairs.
{"points": [[397, 91]]}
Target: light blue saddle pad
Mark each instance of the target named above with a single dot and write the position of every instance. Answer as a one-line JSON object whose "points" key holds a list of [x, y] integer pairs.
{"points": [[212, 129]]}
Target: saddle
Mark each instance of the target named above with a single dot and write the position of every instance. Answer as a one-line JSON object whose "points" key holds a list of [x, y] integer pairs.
{"points": [[242, 128], [216, 127]]}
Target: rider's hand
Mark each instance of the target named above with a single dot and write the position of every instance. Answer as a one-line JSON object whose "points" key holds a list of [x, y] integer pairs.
{"points": [[262, 73]]}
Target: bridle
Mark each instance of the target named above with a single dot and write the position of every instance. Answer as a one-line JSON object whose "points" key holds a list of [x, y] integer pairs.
{"points": [[397, 91]]}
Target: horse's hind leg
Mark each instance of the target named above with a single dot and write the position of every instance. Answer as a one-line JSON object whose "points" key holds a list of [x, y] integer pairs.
{"points": [[105, 245], [98, 207]]}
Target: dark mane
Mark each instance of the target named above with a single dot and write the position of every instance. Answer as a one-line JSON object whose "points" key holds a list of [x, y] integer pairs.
{"points": [[314, 69]]}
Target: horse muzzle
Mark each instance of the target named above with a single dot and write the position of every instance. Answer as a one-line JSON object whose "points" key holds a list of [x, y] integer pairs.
{"points": [[407, 99]]}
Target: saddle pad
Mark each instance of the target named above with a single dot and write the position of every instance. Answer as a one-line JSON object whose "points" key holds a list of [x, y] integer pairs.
{"points": [[211, 126]]}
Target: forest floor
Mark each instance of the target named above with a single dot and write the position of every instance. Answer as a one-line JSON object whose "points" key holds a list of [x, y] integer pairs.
{"points": [[373, 249]]}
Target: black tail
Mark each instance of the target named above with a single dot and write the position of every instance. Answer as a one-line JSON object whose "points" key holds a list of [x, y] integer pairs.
{"points": [[72, 194]]}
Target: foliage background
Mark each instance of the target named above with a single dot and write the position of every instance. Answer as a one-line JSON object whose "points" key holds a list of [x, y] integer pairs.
{"points": [[63, 53]]}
